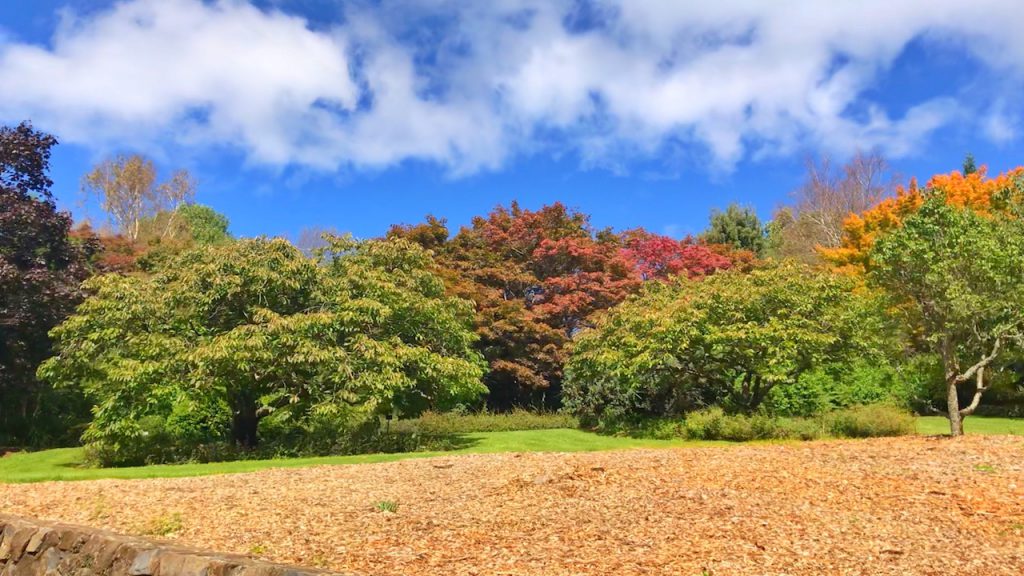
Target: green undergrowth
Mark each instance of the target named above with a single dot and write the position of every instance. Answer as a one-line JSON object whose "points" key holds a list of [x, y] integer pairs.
{"points": [[715, 424]]}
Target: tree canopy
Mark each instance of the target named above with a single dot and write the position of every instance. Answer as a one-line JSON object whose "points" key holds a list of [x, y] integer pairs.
{"points": [[229, 342], [958, 275], [728, 339], [40, 272], [129, 193], [824, 201], [860, 231], [738, 227], [539, 277]]}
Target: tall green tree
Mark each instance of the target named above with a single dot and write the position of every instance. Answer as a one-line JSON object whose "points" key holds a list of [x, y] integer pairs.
{"points": [[170, 232], [40, 272], [190, 224], [230, 341], [737, 226], [958, 276], [969, 166]]}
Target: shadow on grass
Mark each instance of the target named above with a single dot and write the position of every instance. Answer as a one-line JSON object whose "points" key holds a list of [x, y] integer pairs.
{"points": [[448, 442]]}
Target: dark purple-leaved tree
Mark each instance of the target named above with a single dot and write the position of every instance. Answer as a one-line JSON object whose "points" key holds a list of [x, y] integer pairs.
{"points": [[41, 269]]}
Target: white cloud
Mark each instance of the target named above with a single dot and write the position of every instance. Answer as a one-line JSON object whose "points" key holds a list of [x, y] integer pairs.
{"points": [[489, 80], [1000, 125]]}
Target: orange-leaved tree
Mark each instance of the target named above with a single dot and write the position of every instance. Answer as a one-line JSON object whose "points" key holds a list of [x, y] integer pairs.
{"points": [[974, 190]]}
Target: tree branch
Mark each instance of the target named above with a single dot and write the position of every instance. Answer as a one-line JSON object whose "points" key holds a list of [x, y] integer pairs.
{"points": [[980, 366], [978, 391]]}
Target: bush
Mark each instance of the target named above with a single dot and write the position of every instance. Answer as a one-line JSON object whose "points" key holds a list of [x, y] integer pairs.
{"points": [[704, 425], [870, 421], [715, 424], [808, 396]]}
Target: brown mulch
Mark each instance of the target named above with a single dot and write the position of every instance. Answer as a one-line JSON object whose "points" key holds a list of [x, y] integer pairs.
{"points": [[887, 506]]}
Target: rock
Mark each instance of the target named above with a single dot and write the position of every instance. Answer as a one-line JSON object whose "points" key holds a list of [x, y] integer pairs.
{"points": [[33, 548], [144, 564], [36, 542]]}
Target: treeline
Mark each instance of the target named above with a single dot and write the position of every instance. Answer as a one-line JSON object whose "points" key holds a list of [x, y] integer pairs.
{"points": [[164, 339]]}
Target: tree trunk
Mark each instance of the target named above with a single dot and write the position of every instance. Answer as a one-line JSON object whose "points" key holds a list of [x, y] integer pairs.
{"points": [[956, 415], [956, 422], [245, 424]]}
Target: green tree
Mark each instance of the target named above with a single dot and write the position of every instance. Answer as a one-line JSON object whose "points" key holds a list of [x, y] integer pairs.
{"points": [[738, 227], [230, 341], [170, 232], [958, 277], [203, 225], [969, 166], [729, 339]]}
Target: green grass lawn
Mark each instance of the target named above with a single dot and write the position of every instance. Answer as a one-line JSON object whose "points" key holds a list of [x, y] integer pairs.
{"points": [[66, 463], [931, 425]]}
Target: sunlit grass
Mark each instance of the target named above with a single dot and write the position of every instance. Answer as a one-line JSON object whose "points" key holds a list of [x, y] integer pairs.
{"points": [[931, 425], [67, 463]]}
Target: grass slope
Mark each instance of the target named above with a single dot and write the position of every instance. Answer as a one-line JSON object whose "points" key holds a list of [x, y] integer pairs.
{"points": [[66, 463]]}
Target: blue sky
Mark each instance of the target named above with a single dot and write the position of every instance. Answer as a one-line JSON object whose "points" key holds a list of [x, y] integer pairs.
{"points": [[356, 115]]}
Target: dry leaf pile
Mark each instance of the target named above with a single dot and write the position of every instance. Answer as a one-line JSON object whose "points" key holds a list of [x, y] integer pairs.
{"points": [[887, 506]]}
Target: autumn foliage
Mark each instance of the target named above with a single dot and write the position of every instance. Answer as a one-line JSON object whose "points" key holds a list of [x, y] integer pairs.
{"points": [[860, 231], [538, 277]]}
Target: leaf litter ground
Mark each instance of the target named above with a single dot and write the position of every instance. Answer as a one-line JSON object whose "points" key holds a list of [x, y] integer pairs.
{"points": [[911, 505]]}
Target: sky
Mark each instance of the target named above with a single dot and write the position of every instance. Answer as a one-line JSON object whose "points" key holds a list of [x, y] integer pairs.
{"points": [[353, 115]]}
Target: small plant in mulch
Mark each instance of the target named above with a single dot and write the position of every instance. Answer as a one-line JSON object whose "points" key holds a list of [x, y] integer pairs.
{"points": [[163, 525], [986, 468], [101, 510], [387, 506], [257, 550]]}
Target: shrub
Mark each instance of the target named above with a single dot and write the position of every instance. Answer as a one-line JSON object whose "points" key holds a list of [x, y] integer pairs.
{"points": [[704, 425], [801, 428], [870, 421], [863, 383], [808, 396], [715, 424]]}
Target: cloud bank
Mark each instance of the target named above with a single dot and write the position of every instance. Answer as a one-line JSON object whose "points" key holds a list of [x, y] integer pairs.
{"points": [[468, 85]]}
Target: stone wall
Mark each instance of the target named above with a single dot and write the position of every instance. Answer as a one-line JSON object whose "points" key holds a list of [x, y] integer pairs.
{"points": [[36, 548]]}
